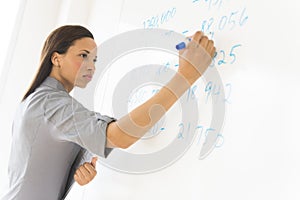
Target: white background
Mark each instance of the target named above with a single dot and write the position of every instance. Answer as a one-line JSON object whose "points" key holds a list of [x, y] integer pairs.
{"points": [[259, 158]]}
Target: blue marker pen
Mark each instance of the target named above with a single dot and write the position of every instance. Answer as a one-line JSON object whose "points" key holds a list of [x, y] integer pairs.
{"points": [[183, 45]]}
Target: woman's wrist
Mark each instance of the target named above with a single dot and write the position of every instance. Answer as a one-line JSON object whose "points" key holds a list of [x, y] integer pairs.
{"points": [[189, 78], [179, 84]]}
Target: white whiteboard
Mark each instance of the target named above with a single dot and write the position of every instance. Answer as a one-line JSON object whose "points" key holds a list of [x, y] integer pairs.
{"points": [[256, 44]]}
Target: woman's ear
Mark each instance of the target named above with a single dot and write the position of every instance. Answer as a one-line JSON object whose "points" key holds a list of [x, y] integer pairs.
{"points": [[55, 59]]}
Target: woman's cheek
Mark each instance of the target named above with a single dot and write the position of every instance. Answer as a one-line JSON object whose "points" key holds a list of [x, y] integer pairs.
{"points": [[77, 68], [78, 64]]}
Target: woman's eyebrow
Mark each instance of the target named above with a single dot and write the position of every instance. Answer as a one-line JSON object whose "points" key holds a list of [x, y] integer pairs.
{"points": [[85, 51]]}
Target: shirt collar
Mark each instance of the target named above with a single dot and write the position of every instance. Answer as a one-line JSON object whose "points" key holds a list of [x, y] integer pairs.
{"points": [[53, 83]]}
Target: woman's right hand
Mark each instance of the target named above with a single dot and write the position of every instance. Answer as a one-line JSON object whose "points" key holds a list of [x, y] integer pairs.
{"points": [[196, 57]]}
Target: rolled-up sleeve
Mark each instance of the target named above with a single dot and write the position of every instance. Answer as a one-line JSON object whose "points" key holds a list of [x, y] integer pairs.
{"points": [[74, 123]]}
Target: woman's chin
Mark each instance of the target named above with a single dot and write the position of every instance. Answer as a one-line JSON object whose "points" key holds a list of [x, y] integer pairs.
{"points": [[81, 85]]}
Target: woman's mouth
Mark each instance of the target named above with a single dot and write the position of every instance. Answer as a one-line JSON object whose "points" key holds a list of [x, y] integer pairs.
{"points": [[88, 77]]}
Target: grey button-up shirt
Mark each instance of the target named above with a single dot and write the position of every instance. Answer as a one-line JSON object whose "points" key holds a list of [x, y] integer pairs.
{"points": [[52, 135]]}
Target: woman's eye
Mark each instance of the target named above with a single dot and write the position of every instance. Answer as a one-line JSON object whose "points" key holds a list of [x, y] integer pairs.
{"points": [[83, 55]]}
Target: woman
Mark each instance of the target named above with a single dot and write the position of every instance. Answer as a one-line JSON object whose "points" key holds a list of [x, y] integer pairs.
{"points": [[53, 134]]}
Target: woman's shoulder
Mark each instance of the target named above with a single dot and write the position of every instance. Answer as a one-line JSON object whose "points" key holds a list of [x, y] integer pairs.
{"points": [[45, 97], [45, 93]]}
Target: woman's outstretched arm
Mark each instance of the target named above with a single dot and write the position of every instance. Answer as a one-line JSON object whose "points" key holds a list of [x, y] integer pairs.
{"points": [[193, 62]]}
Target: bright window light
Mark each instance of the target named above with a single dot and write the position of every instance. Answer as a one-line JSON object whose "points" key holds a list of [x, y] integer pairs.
{"points": [[8, 15]]}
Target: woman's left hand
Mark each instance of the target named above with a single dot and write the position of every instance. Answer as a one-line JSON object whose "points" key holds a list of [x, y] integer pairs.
{"points": [[86, 172]]}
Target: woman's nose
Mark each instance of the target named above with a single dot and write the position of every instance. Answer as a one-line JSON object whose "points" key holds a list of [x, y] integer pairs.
{"points": [[91, 66]]}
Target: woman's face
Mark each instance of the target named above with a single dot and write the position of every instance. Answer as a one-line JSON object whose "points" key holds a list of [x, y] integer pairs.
{"points": [[77, 65]]}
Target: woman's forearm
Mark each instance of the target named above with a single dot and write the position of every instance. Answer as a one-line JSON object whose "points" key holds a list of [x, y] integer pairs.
{"points": [[133, 126]]}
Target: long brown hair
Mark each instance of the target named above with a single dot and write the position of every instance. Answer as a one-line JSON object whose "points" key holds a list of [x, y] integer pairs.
{"points": [[58, 41]]}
